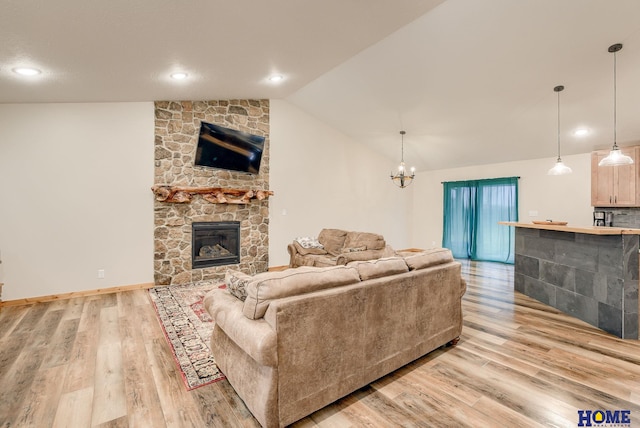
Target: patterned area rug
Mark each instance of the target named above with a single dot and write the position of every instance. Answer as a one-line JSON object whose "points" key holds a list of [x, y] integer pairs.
{"points": [[188, 328]]}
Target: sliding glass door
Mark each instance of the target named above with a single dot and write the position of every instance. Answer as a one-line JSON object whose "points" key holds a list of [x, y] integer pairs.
{"points": [[472, 210]]}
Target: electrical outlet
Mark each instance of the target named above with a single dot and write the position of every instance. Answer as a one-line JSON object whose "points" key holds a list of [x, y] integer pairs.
{"points": [[533, 213], [100, 273]]}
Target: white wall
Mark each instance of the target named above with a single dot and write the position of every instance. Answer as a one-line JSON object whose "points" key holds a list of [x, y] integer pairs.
{"points": [[75, 197], [322, 178], [563, 198], [66, 168], [75, 185]]}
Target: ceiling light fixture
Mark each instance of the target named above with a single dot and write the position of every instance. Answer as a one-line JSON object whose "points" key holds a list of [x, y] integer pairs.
{"points": [[180, 75], [401, 179], [26, 71], [581, 132], [560, 168], [615, 157], [276, 78]]}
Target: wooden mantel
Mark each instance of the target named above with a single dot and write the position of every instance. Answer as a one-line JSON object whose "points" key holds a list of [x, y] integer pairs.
{"points": [[215, 195]]}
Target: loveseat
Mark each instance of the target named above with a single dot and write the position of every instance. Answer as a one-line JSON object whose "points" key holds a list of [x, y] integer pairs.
{"points": [[305, 337], [337, 247]]}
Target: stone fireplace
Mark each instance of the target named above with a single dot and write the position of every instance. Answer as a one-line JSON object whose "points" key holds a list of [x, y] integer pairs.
{"points": [[176, 136]]}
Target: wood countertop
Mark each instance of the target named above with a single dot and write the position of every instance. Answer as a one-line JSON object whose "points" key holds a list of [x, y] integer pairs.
{"points": [[591, 230]]}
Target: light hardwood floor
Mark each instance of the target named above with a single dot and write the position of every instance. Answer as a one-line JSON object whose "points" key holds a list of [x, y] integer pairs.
{"points": [[103, 361]]}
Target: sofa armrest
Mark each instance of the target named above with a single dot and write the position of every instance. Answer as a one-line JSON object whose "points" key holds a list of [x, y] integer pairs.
{"points": [[292, 250], [255, 337]]}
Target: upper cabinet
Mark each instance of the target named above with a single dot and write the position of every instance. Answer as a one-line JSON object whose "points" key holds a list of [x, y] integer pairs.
{"points": [[615, 186]]}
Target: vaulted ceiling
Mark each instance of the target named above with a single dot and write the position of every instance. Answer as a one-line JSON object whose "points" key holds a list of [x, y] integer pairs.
{"points": [[471, 82]]}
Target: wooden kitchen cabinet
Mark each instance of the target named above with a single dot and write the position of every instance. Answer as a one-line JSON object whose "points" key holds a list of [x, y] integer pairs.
{"points": [[615, 186]]}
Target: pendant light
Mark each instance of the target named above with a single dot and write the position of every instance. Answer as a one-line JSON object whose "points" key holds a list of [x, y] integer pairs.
{"points": [[401, 178], [560, 168], [615, 157]]}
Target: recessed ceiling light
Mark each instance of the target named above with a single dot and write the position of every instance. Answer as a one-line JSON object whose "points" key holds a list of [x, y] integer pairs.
{"points": [[26, 71], [179, 75], [581, 132], [276, 78]]}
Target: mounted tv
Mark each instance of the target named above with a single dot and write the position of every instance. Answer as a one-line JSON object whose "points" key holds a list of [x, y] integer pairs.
{"points": [[225, 148]]}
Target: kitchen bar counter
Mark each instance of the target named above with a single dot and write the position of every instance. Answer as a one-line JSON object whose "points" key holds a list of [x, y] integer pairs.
{"points": [[588, 272], [590, 230]]}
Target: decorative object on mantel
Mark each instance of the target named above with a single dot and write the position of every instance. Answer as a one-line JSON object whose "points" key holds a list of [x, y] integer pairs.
{"points": [[560, 168], [401, 179], [215, 195], [615, 156]]}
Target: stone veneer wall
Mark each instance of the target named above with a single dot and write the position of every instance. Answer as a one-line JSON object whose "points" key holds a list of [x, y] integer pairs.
{"points": [[592, 277], [177, 125], [624, 217]]}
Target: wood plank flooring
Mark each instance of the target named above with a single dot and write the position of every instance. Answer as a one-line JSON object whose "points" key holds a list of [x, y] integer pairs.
{"points": [[102, 361]]}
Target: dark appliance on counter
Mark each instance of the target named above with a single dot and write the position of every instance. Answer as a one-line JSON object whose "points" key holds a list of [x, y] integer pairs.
{"points": [[608, 219], [603, 218]]}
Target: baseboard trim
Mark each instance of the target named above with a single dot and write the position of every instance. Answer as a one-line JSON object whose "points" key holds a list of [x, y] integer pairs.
{"points": [[64, 296]]}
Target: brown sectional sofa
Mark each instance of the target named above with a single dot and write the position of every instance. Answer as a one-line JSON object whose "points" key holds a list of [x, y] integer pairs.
{"points": [[305, 337], [339, 247]]}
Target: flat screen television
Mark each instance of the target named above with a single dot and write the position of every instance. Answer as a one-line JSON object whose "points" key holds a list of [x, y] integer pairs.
{"points": [[225, 148]]}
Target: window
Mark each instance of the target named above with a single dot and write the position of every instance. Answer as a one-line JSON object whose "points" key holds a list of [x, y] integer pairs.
{"points": [[472, 210]]}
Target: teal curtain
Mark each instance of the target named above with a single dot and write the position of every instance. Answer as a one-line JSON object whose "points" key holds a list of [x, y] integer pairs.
{"points": [[472, 210]]}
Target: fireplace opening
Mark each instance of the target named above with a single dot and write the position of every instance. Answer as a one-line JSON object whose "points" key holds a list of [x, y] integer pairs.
{"points": [[215, 243]]}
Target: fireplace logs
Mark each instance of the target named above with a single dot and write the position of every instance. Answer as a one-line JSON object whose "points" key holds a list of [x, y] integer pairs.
{"points": [[213, 251], [215, 243]]}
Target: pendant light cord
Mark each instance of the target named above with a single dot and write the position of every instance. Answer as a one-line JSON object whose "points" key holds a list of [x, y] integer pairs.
{"points": [[615, 107], [559, 126], [558, 89]]}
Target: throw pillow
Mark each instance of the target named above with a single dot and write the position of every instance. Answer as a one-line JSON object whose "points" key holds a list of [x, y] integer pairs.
{"points": [[354, 249], [305, 251], [308, 242], [236, 282]]}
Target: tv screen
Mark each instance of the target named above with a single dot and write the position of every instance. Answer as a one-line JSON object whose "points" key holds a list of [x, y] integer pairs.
{"points": [[230, 149]]}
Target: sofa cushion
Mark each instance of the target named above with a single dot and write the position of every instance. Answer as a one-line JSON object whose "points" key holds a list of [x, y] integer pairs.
{"points": [[382, 267], [268, 286], [371, 241], [323, 261], [236, 282], [348, 257], [427, 258], [332, 240]]}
